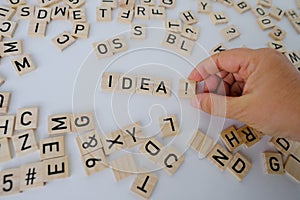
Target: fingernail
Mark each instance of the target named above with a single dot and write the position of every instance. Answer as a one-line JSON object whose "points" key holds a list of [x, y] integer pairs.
{"points": [[195, 101]]}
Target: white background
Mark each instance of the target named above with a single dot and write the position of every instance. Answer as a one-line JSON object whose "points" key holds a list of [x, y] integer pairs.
{"points": [[51, 87]]}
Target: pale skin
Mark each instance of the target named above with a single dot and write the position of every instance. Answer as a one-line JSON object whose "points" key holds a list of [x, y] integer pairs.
{"points": [[261, 88]]}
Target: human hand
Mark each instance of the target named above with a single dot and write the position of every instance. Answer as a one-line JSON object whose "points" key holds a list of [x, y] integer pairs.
{"points": [[260, 88]]}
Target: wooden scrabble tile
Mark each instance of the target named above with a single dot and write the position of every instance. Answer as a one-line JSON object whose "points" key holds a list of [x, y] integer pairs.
{"points": [[25, 143], [186, 88], [168, 126], [47, 3], [118, 44], [25, 12], [144, 184], [102, 49], [276, 13], [7, 28], [94, 162], [74, 4], [43, 14], [56, 168], [32, 176], [205, 147], [265, 22], [173, 25], [291, 14], [37, 28], [239, 166], [219, 156], [273, 163], [228, 3], [125, 15], [148, 2], [203, 6], [260, 11], [264, 3], [188, 17], [127, 3], [283, 145], [133, 134], [157, 12], [123, 167], [296, 149], [277, 45], [23, 64], [231, 138], [113, 141], [138, 31], [292, 166], [80, 30], [171, 159], [248, 135], [218, 48], [151, 149], [196, 141], [6, 13], [53, 147], [190, 32], [4, 102], [89, 142], [127, 84], [110, 81], [294, 57], [141, 12], [81, 122], [185, 46], [7, 125], [27, 118], [296, 24], [77, 15], [10, 181], [145, 85], [218, 18], [5, 153], [109, 3], [63, 40], [230, 33], [11, 48], [104, 14], [242, 6], [162, 88], [60, 12], [58, 124], [171, 40], [277, 33], [297, 3]]}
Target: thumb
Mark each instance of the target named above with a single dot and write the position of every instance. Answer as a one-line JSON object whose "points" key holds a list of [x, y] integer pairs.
{"points": [[223, 106]]}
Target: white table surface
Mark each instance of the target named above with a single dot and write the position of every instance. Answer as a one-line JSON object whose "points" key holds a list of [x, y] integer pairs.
{"points": [[76, 70]]}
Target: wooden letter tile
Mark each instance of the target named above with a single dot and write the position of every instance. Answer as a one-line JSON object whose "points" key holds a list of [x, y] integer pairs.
{"points": [[4, 102], [217, 49], [23, 64], [27, 118], [230, 33], [123, 167], [60, 12], [82, 122], [203, 6], [231, 138], [188, 17], [152, 149], [145, 85], [63, 40], [6, 13], [186, 89], [56, 168], [185, 46], [157, 12], [7, 125], [77, 15], [32, 176], [37, 28], [138, 32], [52, 147], [118, 44], [277, 45], [218, 18], [94, 162], [273, 163], [11, 48], [10, 181], [277, 33], [260, 11], [109, 81], [173, 25], [24, 143], [167, 4], [168, 126], [81, 30], [133, 134], [283, 145], [265, 23], [74, 4], [171, 159], [7, 28], [141, 12], [103, 14], [190, 32], [228, 3], [162, 88], [43, 14], [196, 141], [219, 156], [144, 184], [239, 166], [113, 141], [276, 13], [148, 2], [248, 135], [127, 3], [109, 3], [25, 12], [171, 40], [125, 15], [294, 57], [5, 153], [88, 142], [292, 166], [58, 124], [46, 3], [102, 49], [241, 6], [265, 3]]}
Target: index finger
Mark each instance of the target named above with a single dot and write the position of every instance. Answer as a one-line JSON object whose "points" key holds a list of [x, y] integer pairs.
{"points": [[233, 61]]}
